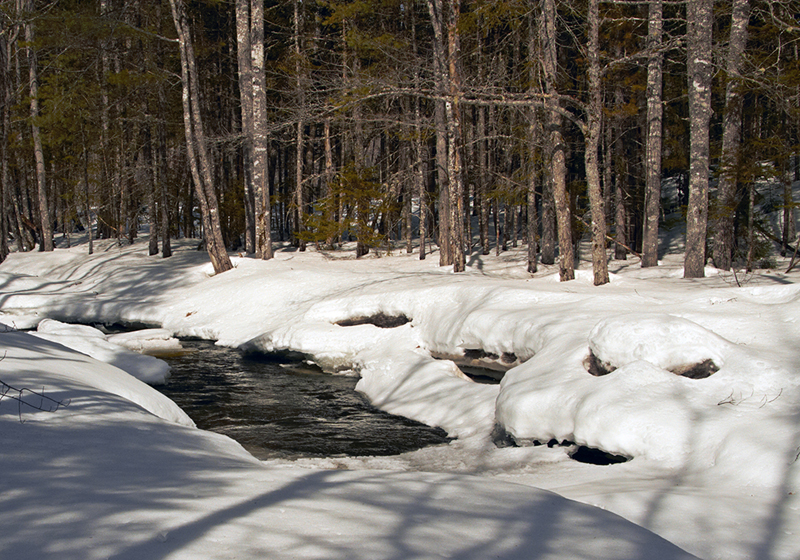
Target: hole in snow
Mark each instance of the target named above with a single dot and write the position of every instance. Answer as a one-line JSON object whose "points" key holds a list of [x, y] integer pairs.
{"points": [[595, 366], [501, 438], [593, 456], [379, 320], [482, 375], [481, 366], [699, 370]]}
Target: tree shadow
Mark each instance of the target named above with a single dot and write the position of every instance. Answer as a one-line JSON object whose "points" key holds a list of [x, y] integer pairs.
{"points": [[103, 478]]}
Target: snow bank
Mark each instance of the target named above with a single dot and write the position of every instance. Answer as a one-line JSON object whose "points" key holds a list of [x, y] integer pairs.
{"points": [[153, 342], [100, 477], [94, 343], [31, 360], [695, 382]]}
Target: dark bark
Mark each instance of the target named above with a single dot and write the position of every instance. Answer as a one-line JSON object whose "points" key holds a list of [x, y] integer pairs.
{"points": [[731, 137]]}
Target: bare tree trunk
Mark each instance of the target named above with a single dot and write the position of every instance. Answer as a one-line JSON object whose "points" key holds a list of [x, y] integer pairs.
{"points": [[419, 149], [161, 166], [557, 156], [788, 232], [655, 112], [152, 175], [46, 223], [751, 197], [7, 97], [445, 250], [440, 73], [700, 71], [196, 148], [592, 140], [419, 177], [299, 126], [534, 133], [263, 206], [243, 53], [453, 115], [731, 137], [483, 181]]}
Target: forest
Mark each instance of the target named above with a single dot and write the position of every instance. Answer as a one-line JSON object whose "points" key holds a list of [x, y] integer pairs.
{"points": [[473, 125]]}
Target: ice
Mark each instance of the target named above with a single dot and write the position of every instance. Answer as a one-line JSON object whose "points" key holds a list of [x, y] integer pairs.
{"points": [[153, 342]]}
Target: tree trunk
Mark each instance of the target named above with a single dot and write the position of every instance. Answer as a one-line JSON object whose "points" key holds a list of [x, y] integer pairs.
{"points": [[453, 115], [152, 175], [243, 55], [260, 139], [655, 112], [299, 126], [46, 224], [7, 97], [440, 73], [483, 181], [700, 72], [731, 137], [419, 177], [621, 172], [445, 250], [592, 142], [419, 149], [162, 169], [196, 148], [557, 156], [534, 131]]}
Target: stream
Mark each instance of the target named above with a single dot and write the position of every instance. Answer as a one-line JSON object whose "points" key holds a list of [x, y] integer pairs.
{"points": [[286, 411]]}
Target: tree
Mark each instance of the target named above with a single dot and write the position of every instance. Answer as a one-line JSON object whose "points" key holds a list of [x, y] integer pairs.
{"points": [[243, 52], [45, 223], [260, 141], [196, 148], [700, 21], [655, 113], [594, 113], [731, 136], [557, 149]]}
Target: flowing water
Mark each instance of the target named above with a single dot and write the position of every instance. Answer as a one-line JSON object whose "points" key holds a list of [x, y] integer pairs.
{"points": [[292, 411]]}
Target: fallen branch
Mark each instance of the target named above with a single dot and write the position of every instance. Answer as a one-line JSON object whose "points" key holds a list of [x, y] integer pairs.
{"points": [[45, 404]]}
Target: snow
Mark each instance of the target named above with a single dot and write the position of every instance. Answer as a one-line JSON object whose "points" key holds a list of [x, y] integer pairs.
{"points": [[112, 350], [714, 460]]}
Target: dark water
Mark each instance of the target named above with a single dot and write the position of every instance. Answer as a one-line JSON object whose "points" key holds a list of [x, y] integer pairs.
{"points": [[288, 412]]}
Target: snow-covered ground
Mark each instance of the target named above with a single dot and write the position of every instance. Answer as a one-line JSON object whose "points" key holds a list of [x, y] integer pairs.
{"points": [[121, 473]]}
